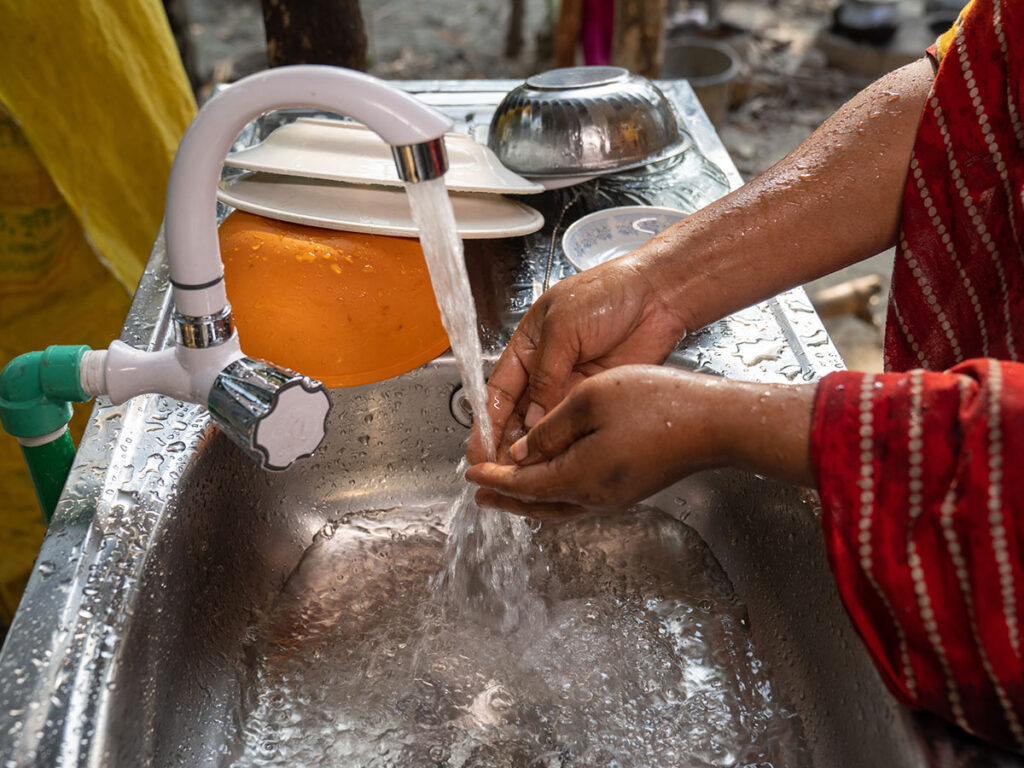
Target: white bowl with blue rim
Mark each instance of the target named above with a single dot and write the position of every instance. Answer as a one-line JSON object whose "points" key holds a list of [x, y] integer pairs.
{"points": [[604, 235]]}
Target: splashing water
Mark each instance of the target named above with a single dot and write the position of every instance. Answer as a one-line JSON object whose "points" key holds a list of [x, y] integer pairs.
{"points": [[625, 661], [485, 571], [432, 212]]}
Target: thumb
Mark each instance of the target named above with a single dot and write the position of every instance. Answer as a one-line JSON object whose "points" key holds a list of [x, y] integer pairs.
{"points": [[553, 435]]}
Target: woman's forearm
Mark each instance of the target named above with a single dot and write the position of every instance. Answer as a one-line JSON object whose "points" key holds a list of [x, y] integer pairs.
{"points": [[766, 428], [836, 199]]}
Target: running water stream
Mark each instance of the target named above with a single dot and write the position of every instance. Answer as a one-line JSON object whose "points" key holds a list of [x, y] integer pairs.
{"points": [[485, 558], [442, 247]]}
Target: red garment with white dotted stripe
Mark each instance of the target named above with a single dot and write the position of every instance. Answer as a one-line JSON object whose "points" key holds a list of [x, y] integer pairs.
{"points": [[920, 473]]}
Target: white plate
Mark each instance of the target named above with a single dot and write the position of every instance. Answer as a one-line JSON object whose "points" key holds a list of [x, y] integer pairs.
{"points": [[318, 148], [605, 235], [378, 210]]}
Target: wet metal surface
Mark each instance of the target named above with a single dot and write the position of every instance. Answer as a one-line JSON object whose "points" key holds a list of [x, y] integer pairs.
{"points": [[168, 544]]}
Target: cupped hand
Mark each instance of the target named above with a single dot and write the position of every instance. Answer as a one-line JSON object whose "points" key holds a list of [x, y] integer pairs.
{"points": [[608, 316], [618, 437], [625, 434], [536, 510]]}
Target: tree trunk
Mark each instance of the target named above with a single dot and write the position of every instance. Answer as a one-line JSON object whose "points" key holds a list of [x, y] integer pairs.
{"points": [[177, 16], [315, 32], [567, 34], [514, 38], [639, 36]]}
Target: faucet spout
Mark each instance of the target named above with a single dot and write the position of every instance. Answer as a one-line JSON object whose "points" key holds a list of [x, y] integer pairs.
{"points": [[414, 128], [274, 414]]}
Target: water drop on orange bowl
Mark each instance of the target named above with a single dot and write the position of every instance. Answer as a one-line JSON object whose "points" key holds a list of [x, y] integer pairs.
{"points": [[330, 318]]}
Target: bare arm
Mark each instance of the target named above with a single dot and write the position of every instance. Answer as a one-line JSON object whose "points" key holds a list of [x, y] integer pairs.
{"points": [[627, 433], [834, 200]]}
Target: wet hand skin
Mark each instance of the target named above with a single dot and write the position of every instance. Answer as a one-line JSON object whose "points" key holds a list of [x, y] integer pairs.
{"points": [[834, 200], [624, 434], [579, 328], [537, 510]]}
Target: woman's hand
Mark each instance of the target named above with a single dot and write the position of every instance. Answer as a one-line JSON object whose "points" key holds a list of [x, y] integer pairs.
{"points": [[609, 316], [622, 435]]}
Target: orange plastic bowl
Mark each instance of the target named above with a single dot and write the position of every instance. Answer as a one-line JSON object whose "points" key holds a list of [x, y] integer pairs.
{"points": [[341, 307]]}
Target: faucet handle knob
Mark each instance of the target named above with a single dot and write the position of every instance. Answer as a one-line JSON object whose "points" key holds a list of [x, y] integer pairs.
{"points": [[274, 414]]}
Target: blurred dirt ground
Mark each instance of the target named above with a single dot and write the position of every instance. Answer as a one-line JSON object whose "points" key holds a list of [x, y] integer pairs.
{"points": [[785, 90]]}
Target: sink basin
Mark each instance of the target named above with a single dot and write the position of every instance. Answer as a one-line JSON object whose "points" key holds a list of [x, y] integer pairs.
{"points": [[215, 602], [188, 608], [212, 603]]}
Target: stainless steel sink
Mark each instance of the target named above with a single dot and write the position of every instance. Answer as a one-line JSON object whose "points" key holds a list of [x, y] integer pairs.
{"points": [[177, 578], [138, 644], [162, 571]]}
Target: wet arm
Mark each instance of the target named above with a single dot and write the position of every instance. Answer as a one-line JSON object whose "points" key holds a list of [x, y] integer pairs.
{"points": [[834, 200], [626, 433]]}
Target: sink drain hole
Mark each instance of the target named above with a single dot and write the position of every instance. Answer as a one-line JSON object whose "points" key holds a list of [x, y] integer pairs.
{"points": [[460, 407]]}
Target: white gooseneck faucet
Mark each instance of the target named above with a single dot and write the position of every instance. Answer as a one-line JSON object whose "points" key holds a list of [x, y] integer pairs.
{"points": [[275, 415]]}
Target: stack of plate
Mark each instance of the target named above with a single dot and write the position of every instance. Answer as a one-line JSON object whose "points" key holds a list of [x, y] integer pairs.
{"points": [[340, 175]]}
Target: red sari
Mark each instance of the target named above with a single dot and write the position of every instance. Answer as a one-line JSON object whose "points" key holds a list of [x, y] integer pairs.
{"points": [[922, 473]]}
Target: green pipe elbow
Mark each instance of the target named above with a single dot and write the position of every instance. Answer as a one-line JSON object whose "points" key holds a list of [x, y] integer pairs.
{"points": [[36, 390]]}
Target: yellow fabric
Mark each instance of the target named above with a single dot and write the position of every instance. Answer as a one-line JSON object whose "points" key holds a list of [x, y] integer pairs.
{"points": [[100, 93], [946, 38], [97, 102]]}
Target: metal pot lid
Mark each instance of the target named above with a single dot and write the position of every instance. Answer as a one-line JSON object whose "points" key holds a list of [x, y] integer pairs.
{"points": [[568, 78]]}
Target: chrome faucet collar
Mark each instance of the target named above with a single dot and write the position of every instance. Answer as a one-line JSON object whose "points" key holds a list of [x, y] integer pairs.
{"points": [[203, 331], [421, 162]]}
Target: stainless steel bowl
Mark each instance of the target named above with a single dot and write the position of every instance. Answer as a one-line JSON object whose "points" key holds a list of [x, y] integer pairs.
{"points": [[582, 121]]}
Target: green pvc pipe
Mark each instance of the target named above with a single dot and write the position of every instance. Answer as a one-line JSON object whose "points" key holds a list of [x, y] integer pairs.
{"points": [[36, 391], [49, 465]]}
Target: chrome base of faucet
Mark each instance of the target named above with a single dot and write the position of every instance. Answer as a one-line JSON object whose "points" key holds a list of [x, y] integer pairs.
{"points": [[421, 162]]}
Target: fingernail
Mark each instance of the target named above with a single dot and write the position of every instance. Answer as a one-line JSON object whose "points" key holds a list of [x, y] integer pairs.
{"points": [[534, 414], [519, 450]]}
